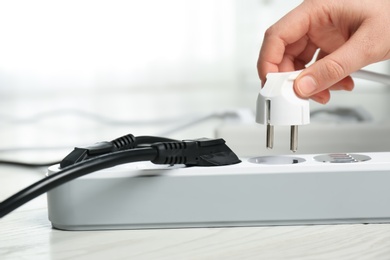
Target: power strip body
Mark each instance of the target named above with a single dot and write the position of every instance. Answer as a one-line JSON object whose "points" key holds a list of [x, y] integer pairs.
{"points": [[143, 195]]}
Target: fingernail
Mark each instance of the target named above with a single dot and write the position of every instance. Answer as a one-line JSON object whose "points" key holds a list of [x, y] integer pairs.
{"points": [[307, 85]]}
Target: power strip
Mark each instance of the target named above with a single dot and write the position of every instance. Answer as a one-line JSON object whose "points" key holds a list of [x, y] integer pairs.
{"points": [[270, 190]]}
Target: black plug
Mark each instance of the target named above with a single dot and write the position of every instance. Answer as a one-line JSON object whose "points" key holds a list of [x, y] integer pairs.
{"points": [[198, 152], [83, 153]]}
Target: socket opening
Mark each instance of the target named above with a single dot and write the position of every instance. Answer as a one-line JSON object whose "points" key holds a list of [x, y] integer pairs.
{"points": [[276, 160]]}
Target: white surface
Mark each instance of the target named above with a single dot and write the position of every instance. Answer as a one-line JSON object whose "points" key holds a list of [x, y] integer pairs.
{"points": [[26, 234]]}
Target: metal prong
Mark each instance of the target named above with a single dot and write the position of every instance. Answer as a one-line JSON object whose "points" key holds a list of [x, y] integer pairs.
{"points": [[270, 128], [270, 136], [294, 138]]}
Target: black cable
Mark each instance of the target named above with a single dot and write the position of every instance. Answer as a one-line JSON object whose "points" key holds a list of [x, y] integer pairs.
{"points": [[143, 140], [200, 152], [122, 143], [74, 171], [125, 142]]}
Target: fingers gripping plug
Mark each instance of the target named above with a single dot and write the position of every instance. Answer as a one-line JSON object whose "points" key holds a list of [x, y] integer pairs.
{"points": [[277, 104]]}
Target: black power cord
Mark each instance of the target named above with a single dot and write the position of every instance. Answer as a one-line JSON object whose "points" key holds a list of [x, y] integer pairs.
{"points": [[119, 144], [79, 154], [200, 152]]}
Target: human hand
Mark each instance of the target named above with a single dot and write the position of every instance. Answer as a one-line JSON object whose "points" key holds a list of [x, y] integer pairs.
{"points": [[349, 33]]}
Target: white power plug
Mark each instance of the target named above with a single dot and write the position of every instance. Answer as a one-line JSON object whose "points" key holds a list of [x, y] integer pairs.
{"points": [[277, 104]]}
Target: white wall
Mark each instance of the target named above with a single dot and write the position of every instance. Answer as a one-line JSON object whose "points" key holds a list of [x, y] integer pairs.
{"points": [[111, 45], [115, 43]]}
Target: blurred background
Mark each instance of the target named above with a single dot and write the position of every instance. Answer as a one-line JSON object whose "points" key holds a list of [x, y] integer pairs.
{"points": [[77, 72]]}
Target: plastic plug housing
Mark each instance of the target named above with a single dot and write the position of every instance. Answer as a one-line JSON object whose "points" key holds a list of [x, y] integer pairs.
{"points": [[277, 104], [198, 152], [80, 154]]}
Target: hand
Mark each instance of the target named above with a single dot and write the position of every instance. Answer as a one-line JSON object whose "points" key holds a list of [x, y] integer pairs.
{"points": [[350, 34]]}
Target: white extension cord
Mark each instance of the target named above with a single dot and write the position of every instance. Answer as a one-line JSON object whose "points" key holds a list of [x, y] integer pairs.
{"points": [[267, 190]]}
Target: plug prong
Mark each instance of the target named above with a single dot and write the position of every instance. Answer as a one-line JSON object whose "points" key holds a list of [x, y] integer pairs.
{"points": [[294, 138], [270, 136], [270, 128]]}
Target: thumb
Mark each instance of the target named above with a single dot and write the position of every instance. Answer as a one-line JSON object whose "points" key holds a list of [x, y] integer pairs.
{"points": [[334, 67], [320, 76]]}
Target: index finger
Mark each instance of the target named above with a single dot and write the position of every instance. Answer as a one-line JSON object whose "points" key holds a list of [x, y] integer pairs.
{"points": [[289, 29]]}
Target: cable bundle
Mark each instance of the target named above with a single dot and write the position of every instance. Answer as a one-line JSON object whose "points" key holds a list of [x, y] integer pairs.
{"points": [[126, 149]]}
